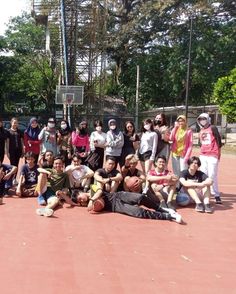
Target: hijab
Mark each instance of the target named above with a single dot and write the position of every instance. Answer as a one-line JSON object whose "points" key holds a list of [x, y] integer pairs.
{"points": [[32, 132], [114, 132]]}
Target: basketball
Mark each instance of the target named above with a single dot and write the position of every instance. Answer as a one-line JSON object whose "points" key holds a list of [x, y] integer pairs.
{"points": [[133, 184], [98, 205], [182, 199]]}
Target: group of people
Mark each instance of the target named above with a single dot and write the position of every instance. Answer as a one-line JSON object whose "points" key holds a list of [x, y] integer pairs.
{"points": [[73, 166]]}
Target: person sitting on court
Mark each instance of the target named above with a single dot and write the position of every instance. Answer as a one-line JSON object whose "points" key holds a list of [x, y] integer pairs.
{"points": [[129, 204], [129, 170], [162, 182], [28, 177], [54, 186], [7, 174], [79, 175], [108, 178], [197, 184]]}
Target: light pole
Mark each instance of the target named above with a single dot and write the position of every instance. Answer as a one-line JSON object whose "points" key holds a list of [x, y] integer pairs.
{"points": [[188, 67]]}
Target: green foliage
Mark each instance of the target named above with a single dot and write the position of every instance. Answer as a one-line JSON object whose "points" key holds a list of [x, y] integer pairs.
{"points": [[225, 95], [26, 74]]}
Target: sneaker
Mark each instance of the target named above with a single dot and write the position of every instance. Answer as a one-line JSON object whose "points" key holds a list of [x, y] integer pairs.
{"points": [[41, 200], [218, 200], [176, 217], [44, 211], [208, 209], [168, 210], [199, 207]]}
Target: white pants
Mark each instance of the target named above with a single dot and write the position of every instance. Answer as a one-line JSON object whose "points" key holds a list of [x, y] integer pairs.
{"points": [[209, 165], [178, 164]]}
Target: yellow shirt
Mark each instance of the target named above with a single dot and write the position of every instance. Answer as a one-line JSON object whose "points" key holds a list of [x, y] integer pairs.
{"points": [[180, 137]]}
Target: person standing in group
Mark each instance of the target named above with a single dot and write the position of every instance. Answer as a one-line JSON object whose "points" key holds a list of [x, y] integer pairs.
{"points": [[3, 138], [131, 141], [148, 145], [115, 141], [210, 152], [163, 132], [48, 137], [64, 141], [97, 146], [15, 143], [80, 140], [31, 141], [182, 144]]}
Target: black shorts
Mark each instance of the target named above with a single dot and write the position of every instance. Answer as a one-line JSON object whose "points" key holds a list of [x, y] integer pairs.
{"points": [[145, 156]]}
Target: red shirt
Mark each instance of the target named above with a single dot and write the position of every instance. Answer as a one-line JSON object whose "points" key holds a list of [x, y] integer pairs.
{"points": [[209, 146], [155, 173]]}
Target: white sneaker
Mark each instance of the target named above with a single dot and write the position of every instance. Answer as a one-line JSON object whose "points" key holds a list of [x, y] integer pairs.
{"points": [[169, 210], [176, 217], [44, 211]]}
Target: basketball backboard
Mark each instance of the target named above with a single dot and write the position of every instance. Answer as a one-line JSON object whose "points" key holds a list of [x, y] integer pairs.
{"points": [[70, 95]]}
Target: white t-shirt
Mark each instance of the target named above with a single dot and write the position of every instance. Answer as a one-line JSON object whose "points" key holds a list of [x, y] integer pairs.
{"points": [[76, 176]]}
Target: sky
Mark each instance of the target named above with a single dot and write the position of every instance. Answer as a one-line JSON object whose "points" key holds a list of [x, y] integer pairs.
{"points": [[12, 8]]}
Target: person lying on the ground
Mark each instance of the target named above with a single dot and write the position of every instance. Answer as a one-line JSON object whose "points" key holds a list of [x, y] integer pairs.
{"points": [[108, 178], [163, 182], [53, 187], [130, 170], [7, 174], [129, 203], [197, 184], [28, 177]]}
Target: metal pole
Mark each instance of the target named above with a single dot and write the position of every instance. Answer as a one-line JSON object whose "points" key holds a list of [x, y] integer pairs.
{"points": [[137, 98], [63, 29], [188, 68]]}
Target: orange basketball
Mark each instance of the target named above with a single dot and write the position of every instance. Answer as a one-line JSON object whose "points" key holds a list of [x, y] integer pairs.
{"points": [[98, 205], [133, 184]]}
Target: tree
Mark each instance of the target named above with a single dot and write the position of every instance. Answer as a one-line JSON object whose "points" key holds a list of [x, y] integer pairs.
{"points": [[225, 95], [33, 77]]}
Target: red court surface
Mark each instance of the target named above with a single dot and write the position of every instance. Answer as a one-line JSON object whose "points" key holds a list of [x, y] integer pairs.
{"points": [[77, 252]]}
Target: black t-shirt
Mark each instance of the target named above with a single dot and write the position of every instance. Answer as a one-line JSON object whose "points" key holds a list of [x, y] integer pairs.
{"points": [[103, 173], [135, 173], [198, 177]]}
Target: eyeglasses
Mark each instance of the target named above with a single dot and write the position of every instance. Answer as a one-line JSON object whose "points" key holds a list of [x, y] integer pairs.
{"points": [[202, 118], [128, 127]]}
